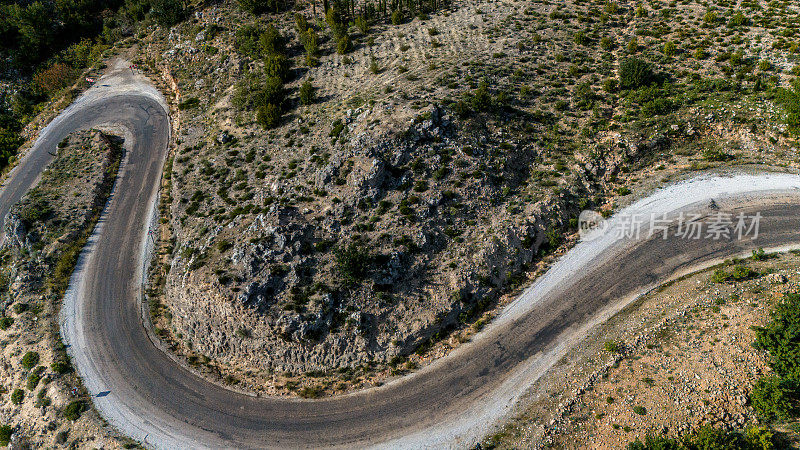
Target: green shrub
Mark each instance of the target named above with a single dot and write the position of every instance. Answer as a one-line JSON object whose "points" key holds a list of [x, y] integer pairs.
{"points": [[790, 100], [741, 272], [640, 410], [17, 396], [5, 435], [277, 65], [610, 85], [710, 438], [191, 102], [670, 48], [774, 399], [306, 93], [34, 377], [37, 210], [336, 130], [6, 322], [271, 42], [761, 438], [352, 263], [74, 410], [779, 338], [343, 44], [738, 20], [61, 367], [719, 276], [634, 73], [715, 155], [30, 360], [168, 12], [613, 346], [64, 267], [710, 18], [268, 116], [310, 392], [397, 17]]}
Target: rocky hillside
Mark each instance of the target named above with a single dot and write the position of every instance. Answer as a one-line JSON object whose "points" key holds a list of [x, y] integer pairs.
{"points": [[343, 207]]}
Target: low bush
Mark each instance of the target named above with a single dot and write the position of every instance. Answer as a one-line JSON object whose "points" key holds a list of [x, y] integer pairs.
{"points": [[306, 93], [191, 102], [61, 367], [5, 435], [711, 438], [17, 396], [30, 360], [352, 263], [635, 73], [774, 399], [74, 410]]}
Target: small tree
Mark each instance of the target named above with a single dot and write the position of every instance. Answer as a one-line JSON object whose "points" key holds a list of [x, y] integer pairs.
{"points": [[5, 435], [269, 115], [168, 12], [337, 22], [352, 263], [311, 45], [343, 44], [670, 48], [277, 65], [397, 17], [362, 24], [30, 360], [272, 92], [373, 65], [633, 45], [580, 38], [272, 42], [17, 396], [634, 73], [306, 93], [248, 41], [773, 399]]}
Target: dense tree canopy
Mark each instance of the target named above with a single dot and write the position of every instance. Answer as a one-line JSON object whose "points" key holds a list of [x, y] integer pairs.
{"points": [[45, 44]]}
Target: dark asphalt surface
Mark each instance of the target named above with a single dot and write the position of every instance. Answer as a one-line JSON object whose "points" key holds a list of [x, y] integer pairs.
{"points": [[174, 402]]}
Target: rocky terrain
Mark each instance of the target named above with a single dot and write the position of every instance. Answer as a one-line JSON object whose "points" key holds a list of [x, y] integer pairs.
{"points": [[434, 164], [45, 232], [336, 215], [437, 162]]}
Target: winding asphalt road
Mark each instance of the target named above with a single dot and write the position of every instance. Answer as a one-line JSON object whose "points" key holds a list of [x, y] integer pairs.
{"points": [[449, 403]]}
